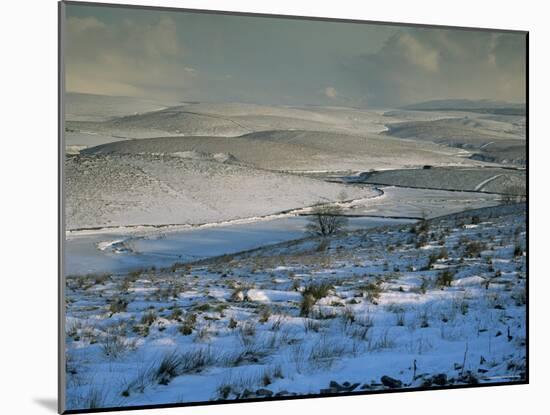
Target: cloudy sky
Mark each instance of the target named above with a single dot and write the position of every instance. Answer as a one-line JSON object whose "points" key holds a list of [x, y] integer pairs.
{"points": [[204, 57]]}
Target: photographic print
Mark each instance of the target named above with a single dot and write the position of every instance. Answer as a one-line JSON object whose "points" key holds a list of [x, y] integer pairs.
{"points": [[262, 207]]}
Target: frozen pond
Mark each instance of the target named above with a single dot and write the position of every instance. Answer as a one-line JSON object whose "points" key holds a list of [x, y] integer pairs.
{"points": [[120, 252]]}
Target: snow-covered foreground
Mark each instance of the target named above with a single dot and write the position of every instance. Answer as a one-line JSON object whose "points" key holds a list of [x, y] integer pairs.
{"points": [[435, 304]]}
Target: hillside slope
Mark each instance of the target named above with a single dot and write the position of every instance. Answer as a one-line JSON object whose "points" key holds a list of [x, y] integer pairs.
{"points": [[300, 150], [126, 190]]}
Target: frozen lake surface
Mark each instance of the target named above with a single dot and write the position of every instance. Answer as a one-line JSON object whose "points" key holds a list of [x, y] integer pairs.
{"points": [[119, 252]]}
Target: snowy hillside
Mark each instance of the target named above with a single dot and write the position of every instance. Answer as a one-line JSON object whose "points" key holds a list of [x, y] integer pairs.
{"points": [[436, 304], [494, 139], [183, 188], [300, 150], [90, 107], [219, 119], [485, 179]]}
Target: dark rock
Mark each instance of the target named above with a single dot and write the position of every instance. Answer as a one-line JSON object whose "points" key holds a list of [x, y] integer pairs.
{"points": [[264, 392], [440, 379], [247, 394], [335, 387], [282, 393], [390, 382], [469, 378], [427, 383]]}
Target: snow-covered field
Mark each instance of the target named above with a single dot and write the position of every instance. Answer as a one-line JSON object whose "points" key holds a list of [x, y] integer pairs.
{"points": [[148, 189], [190, 275], [484, 179], [435, 304]]}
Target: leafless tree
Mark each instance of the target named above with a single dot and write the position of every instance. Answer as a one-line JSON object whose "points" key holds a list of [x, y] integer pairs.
{"points": [[326, 220]]}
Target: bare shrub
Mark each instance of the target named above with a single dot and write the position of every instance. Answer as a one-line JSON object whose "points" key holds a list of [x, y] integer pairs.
{"points": [[95, 398], [444, 279], [318, 291], [372, 291], [265, 313], [324, 352], [359, 332], [197, 359], [297, 356], [188, 325], [348, 316], [383, 341], [326, 220], [148, 318], [400, 319], [118, 305], [473, 249], [168, 368], [306, 305], [232, 323], [176, 313], [113, 346], [311, 294], [277, 322], [247, 333], [311, 324], [203, 334]]}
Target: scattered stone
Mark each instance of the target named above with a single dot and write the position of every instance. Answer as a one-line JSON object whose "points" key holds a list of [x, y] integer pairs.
{"points": [[469, 378], [264, 392], [427, 383], [335, 387], [390, 382], [440, 379], [247, 394]]}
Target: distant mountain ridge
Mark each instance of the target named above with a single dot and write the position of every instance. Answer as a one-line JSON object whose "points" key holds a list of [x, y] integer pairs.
{"points": [[482, 106]]}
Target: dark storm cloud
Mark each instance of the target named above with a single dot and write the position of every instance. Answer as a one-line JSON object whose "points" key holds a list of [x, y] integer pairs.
{"points": [[197, 57], [423, 64]]}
